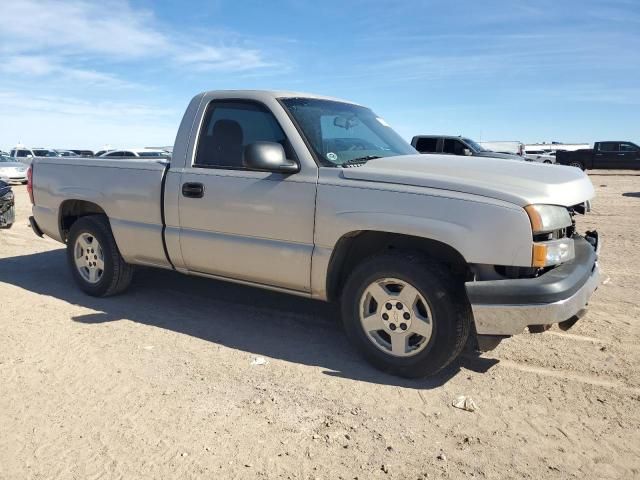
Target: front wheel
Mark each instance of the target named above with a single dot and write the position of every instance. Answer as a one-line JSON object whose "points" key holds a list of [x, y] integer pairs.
{"points": [[406, 314], [94, 258]]}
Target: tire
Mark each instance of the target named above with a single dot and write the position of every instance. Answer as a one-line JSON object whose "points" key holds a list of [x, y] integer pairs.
{"points": [[92, 235], [547, 161], [7, 226], [447, 309], [577, 164]]}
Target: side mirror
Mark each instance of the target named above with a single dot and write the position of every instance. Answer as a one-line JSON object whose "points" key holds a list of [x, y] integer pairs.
{"points": [[268, 157], [467, 152]]}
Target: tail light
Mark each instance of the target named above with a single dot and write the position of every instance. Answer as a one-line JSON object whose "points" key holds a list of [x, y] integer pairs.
{"points": [[30, 183]]}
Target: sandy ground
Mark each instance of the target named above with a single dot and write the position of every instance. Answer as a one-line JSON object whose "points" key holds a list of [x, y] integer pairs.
{"points": [[159, 382]]}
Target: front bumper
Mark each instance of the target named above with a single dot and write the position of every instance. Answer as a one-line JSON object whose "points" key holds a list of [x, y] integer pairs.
{"points": [[507, 307]]}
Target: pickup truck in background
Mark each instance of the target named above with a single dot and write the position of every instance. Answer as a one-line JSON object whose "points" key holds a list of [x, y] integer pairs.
{"points": [[613, 155], [319, 197], [450, 145]]}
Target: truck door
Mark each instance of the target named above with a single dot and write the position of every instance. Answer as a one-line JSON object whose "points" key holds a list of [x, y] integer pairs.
{"points": [[606, 155], [241, 224], [629, 155]]}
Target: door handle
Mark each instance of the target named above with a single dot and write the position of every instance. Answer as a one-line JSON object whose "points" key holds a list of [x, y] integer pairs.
{"points": [[192, 190]]}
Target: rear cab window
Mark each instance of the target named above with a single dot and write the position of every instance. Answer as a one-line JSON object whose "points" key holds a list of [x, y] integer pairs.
{"points": [[427, 145]]}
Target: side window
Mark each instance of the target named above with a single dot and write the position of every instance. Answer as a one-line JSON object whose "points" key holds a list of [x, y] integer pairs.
{"points": [[114, 154], [23, 153], [229, 126], [127, 154], [628, 147], [609, 147], [453, 146], [427, 145]]}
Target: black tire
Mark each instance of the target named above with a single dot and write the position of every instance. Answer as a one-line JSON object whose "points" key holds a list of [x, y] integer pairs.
{"points": [[117, 273], [451, 312], [576, 164], [547, 161], [7, 226]]}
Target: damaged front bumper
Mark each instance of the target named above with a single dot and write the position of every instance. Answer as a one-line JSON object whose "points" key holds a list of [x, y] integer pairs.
{"points": [[502, 308]]}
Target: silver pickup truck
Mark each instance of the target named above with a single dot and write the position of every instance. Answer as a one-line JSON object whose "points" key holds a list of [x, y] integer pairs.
{"points": [[319, 197]]}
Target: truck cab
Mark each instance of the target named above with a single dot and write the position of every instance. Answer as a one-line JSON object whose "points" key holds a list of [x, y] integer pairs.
{"points": [[618, 155]]}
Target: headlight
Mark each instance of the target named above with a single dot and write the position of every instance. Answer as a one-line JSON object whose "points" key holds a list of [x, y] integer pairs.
{"points": [[553, 252], [547, 218]]}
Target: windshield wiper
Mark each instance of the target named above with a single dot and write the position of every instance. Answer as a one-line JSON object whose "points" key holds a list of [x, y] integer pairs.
{"points": [[360, 160]]}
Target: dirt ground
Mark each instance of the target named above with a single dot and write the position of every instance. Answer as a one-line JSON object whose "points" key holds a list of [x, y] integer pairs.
{"points": [[159, 382]]}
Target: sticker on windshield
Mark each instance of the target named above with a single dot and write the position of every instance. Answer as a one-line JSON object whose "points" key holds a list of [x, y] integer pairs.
{"points": [[382, 122], [332, 156]]}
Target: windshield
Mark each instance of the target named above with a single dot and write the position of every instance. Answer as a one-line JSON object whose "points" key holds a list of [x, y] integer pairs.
{"points": [[475, 146], [340, 133], [6, 159]]}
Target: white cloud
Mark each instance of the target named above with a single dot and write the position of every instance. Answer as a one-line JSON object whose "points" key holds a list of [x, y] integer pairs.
{"points": [[114, 31], [63, 122], [37, 65]]}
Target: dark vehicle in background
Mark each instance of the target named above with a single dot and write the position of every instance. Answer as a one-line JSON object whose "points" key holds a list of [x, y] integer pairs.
{"points": [[7, 208], [66, 153], [82, 153], [451, 145], [611, 154]]}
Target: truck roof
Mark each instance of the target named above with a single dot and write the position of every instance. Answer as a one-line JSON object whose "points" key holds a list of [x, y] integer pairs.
{"points": [[269, 94]]}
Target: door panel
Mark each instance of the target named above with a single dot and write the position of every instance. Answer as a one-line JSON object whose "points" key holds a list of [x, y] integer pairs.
{"points": [[250, 226]]}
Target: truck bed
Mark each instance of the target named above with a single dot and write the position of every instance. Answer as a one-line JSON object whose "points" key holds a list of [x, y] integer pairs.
{"points": [[128, 191]]}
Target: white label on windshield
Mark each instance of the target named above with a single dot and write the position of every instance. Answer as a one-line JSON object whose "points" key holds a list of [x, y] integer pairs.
{"points": [[382, 122], [332, 156]]}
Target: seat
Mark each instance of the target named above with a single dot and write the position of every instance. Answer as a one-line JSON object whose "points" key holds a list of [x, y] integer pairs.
{"points": [[224, 147]]}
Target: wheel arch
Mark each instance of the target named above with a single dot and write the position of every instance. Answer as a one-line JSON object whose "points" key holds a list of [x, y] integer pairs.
{"points": [[353, 247], [72, 210]]}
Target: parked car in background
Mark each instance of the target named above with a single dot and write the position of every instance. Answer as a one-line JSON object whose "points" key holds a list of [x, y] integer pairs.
{"points": [[99, 153], [541, 156], [450, 145], [12, 170], [82, 153], [319, 197], [610, 154], [66, 153], [136, 153], [23, 152], [7, 207], [554, 146]]}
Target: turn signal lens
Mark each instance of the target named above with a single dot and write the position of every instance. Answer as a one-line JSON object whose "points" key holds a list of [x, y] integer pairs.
{"points": [[30, 183], [539, 255]]}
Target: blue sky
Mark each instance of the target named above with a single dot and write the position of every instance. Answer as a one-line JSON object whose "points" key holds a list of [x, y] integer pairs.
{"points": [[82, 74]]}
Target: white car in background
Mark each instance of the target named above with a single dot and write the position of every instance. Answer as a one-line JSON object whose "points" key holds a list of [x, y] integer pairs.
{"points": [[542, 156], [136, 153], [12, 170]]}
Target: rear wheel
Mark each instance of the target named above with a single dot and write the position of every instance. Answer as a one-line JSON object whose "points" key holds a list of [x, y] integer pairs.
{"points": [[406, 314], [94, 258], [576, 164]]}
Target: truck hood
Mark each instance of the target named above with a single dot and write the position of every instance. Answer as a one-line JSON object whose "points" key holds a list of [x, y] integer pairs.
{"points": [[520, 183]]}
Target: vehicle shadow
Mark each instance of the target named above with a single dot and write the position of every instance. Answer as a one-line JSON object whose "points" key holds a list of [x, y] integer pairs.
{"points": [[253, 320], [631, 194]]}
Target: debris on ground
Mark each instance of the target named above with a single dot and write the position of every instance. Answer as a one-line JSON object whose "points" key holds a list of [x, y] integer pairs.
{"points": [[259, 361], [465, 403]]}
